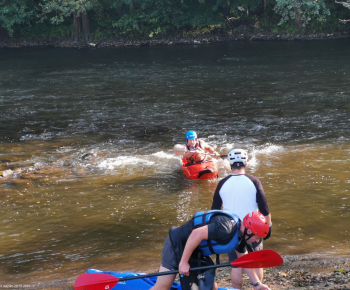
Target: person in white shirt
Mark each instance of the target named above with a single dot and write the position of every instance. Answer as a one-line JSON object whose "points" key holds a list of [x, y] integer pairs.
{"points": [[241, 193]]}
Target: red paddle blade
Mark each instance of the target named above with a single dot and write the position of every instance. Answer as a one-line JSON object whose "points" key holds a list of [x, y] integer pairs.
{"points": [[95, 281], [259, 259]]}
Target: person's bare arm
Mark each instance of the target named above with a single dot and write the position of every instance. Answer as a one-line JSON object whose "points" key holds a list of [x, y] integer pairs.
{"points": [[192, 243], [210, 149], [268, 218]]}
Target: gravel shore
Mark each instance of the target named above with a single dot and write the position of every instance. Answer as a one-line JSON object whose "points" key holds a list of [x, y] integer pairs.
{"points": [[300, 272], [189, 40], [297, 273]]}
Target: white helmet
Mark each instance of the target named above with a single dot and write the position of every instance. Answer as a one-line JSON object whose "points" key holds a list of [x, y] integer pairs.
{"points": [[238, 155]]}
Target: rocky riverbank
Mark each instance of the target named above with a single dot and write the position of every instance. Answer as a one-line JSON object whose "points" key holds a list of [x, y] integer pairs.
{"points": [[191, 40], [297, 273], [301, 272]]}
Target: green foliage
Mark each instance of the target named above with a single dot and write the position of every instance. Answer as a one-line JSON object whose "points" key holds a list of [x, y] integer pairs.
{"points": [[58, 10], [245, 5], [301, 10], [14, 13], [45, 31], [287, 28], [141, 17], [161, 18], [100, 15]]}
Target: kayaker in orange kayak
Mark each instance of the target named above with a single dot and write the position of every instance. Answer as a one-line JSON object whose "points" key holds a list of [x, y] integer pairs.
{"points": [[197, 149]]}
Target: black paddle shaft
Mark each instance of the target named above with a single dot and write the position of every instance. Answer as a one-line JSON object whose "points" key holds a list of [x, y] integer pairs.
{"points": [[173, 272]]}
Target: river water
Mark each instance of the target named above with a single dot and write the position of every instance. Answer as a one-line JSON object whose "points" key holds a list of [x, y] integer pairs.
{"points": [[86, 137]]}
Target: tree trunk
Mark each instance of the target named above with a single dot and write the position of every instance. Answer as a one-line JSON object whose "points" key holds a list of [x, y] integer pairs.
{"points": [[77, 26], [81, 24], [131, 8], [86, 26], [297, 23], [120, 10]]}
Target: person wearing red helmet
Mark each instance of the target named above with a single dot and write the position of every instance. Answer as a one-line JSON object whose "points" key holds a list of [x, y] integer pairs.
{"points": [[197, 148], [207, 233], [241, 193], [257, 224]]}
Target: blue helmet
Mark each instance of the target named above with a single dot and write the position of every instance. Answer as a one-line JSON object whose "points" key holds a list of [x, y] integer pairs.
{"points": [[191, 135]]}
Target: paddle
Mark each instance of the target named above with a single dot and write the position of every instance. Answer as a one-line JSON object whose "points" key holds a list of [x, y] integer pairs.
{"points": [[101, 281], [181, 150]]}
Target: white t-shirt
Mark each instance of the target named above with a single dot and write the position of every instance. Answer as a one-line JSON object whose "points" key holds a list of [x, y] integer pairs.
{"points": [[240, 194]]}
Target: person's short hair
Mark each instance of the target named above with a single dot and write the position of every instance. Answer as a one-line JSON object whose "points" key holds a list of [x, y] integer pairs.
{"points": [[237, 165]]}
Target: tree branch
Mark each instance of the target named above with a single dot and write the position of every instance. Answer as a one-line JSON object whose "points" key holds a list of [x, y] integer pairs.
{"points": [[232, 18], [345, 4]]}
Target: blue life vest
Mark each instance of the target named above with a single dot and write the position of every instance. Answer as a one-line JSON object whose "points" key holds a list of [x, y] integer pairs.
{"points": [[209, 247]]}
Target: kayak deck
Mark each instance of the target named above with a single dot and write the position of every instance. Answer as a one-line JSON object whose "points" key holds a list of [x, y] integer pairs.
{"points": [[201, 170], [137, 284]]}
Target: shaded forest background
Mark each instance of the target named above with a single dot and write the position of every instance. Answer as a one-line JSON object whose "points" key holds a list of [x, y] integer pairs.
{"points": [[94, 20]]}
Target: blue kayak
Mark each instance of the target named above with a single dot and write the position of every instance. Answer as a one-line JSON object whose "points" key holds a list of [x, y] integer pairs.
{"points": [[137, 284]]}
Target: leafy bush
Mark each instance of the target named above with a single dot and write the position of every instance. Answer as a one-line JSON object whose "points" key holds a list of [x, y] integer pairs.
{"points": [[302, 11], [160, 18], [15, 13]]}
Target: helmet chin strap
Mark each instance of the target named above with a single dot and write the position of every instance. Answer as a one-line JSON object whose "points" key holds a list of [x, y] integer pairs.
{"points": [[247, 235]]}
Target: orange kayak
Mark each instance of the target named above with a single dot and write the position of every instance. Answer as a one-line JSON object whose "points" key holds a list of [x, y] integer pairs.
{"points": [[201, 170]]}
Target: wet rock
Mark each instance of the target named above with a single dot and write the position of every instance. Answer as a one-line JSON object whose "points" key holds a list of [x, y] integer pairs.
{"points": [[7, 172], [86, 156], [11, 173]]}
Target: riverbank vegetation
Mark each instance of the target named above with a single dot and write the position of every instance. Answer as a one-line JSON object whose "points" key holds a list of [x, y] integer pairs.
{"points": [[94, 21]]}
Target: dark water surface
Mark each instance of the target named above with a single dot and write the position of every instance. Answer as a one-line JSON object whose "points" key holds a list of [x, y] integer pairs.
{"points": [[86, 138]]}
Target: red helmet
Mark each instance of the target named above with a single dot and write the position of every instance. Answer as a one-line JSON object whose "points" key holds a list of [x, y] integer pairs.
{"points": [[257, 223]]}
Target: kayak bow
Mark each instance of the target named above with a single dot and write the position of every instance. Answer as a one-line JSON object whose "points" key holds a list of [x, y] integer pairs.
{"points": [[201, 170]]}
